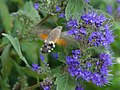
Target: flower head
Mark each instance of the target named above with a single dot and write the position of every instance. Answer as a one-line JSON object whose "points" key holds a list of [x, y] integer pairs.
{"points": [[96, 38], [42, 57], [79, 88], [54, 55], [61, 15], [87, 1], [88, 70], [118, 1], [47, 82], [36, 6], [46, 88], [92, 30], [58, 9], [35, 67], [93, 18], [118, 10], [109, 9], [72, 23]]}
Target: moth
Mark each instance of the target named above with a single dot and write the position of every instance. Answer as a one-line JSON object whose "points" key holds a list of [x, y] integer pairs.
{"points": [[52, 39]]}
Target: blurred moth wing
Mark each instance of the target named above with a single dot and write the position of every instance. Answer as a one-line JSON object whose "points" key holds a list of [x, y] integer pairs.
{"points": [[55, 36]]}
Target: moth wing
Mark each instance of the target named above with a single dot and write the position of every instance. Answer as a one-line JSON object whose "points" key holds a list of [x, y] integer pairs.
{"points": [[67, 40], [55, 34], [40, 31], [43, 36], [61, 42]]}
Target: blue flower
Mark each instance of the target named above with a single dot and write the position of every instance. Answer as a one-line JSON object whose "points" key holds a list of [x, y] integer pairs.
{"points": [[99, 80], [46, 88], [79, 88], [47, 83], [93, 30], [72, 23], [55, 55], [109, 38], [76, 52], [96, 38], [109, 9], [61, 15], [35, 67], [104, 70], [72, 61], [42, 57], [118, 10], [87, 1], [106, 59], [87, 75], [88, 64], [83, 31], [93, 18], [58, 8], [36, 6], [118, 1], [96, 70]]}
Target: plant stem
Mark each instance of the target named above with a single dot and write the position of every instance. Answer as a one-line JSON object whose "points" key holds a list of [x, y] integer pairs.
{"points": [[33, 87], [44, 19]]}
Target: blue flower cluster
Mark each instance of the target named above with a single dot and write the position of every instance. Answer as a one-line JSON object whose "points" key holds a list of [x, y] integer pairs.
{"points": [[35, 67], [95, 70], [79, 88], [46, 84], [59, 10], [36, 6], [46, 87], [93, 18], [118, 1], [87, 1], [109, 9], [93, 27], [118, 10]]}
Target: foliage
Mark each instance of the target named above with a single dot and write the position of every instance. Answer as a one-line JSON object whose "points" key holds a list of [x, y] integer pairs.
{"points": [[89, 41]]}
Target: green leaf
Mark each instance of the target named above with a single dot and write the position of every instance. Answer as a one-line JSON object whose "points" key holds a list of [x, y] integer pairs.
{"points": [[34, 74], [30, 50], [64, 82], [28, 71], [74, 7], [61, 57], [6, 65], [16, 45], [2, 85], [31, 10], [6, 19], [97, 49]]}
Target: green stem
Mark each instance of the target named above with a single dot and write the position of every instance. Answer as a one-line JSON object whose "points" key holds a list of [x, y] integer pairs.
{"points": [[37, 79], [33, 87], [44, 19]]}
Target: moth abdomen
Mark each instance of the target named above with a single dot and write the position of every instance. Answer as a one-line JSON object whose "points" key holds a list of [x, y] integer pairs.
{"points": [[48, 46]]}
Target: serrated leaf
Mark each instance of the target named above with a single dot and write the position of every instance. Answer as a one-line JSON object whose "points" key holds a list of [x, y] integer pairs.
{"points": [[74, 7], [15, 43], [6, 65], [6, 19], [64, 82]]}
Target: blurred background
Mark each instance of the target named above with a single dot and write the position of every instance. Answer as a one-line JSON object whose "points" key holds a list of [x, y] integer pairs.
{"points": [[30, 45]]}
